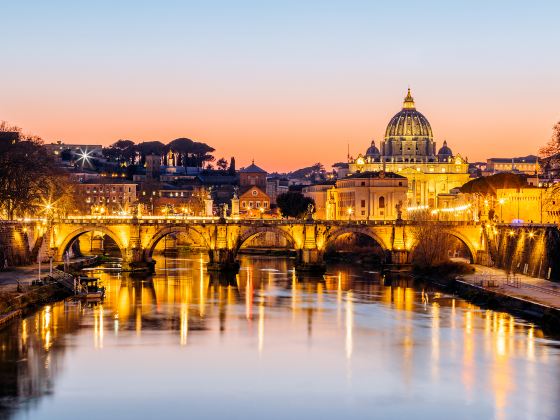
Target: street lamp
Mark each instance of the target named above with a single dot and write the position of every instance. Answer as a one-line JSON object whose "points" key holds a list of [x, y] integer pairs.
{"points": [[350, 211], [501, 201], [262, 211]]}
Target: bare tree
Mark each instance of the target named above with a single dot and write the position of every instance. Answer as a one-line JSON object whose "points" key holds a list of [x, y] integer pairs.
{"points": [[552, 148], [431, 242], [30, 181]]}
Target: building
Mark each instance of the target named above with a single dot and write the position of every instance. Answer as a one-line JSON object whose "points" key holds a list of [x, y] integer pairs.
{"points": [[409, 149], [254, 202], [527, 205], [276, 186], [253, 199], [7, 139], [361, 196], [318, 193], [528, 165], [56, 149], [110, 198], [252, 175]]}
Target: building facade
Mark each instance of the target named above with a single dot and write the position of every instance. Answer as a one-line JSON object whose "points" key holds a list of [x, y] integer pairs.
{"points": [[253, 199], [409, 149], [105, 198], [361, 196], [254, 202], [528, 165]]}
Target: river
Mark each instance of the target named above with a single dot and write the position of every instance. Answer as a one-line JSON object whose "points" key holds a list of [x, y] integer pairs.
{"points": [[266, 344]]}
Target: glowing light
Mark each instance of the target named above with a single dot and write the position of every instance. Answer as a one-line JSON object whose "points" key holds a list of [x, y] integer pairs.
{"points": [[511, 233], [417, 208], [84, 157], [501, 201]]}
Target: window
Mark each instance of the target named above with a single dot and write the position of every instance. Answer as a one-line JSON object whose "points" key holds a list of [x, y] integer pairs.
{"points": [[243, 204], [257, 204], [265, 204], [250, 204], [363, 183], [381, 202], [254, 192], [363, 212], [400, 183], [363, 203]]}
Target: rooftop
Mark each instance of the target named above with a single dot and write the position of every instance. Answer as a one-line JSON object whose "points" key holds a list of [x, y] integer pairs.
{"points": [[374, 174], [252, 168]]}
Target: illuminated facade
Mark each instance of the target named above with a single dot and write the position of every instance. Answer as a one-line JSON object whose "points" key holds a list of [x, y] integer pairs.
{"points": [[361, 196], [408, 149], [105, 198], [527, 205]]}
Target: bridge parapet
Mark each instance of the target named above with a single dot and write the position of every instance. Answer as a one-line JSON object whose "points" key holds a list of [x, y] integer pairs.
{"points": [[138, 237]]}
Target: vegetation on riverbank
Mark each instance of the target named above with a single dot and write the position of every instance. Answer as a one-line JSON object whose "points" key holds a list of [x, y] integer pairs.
{"points": [[30, 299], [443, 271]]}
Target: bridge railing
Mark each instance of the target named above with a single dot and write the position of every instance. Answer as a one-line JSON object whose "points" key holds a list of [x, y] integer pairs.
{"points": [[501, 281], [247, 222]]}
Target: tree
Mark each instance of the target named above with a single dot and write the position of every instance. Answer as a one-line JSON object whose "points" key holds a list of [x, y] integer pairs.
{"points": [[150, 147], [30, 181], [195, 204], [431, 242], [488, 185], [222, 164], [121, 151], [193, 153], [552, 148], [294, 204]]}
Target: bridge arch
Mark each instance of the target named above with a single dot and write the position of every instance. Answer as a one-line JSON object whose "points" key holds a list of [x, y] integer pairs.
{"points": [[332, 236], [472, 249], [162, 233], [71, 237], [251, 233], [466, 241]]}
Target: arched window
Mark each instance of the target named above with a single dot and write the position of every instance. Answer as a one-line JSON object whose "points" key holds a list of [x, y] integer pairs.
{"points": [[381, 202]]}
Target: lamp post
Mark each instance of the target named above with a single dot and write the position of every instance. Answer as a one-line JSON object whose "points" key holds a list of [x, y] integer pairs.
{"points": [[350, 211], [261, 211], [501, 201]]}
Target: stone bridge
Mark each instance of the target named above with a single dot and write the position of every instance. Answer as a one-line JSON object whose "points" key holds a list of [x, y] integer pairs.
{"points": [[222, 238]]}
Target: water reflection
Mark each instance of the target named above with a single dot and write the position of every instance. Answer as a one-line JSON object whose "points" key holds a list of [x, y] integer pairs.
{"points": [[349, 343]]}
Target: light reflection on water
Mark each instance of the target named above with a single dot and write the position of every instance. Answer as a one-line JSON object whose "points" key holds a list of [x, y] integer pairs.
{"points": [[265, 343]]}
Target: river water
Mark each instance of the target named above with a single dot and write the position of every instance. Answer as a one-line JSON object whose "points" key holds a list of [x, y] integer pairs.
{"points": [[266, 344]]}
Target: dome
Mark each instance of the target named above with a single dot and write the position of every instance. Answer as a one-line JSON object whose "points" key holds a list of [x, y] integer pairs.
{"points": [[372, 150], [444, 151], [409, 122]]}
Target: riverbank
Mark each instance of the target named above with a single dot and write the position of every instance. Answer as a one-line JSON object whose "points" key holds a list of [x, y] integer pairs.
{"points": [[24, 289], [536, 300], [17, 304]]}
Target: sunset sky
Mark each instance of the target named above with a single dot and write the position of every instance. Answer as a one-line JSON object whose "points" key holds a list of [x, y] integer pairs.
{"points": [[288, 83]]}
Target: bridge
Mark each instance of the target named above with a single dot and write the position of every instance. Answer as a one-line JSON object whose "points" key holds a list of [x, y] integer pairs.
{"points": [[137, 237]]}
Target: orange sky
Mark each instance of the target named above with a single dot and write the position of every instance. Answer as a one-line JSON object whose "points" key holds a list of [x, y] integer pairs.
{"points": [[282, 135], [288, 84]]}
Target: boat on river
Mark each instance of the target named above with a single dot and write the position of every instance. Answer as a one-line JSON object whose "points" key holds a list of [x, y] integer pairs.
{"points": [[90, 289]]}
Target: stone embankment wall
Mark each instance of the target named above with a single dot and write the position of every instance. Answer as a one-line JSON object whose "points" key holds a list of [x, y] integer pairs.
{"points": [[531, 250], [14, 245]]}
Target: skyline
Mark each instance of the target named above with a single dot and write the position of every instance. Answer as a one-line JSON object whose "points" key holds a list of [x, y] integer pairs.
{"points": [[286, 84]]}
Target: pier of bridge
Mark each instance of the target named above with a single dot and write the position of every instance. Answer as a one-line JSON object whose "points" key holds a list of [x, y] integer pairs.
{"points": [[222, 238]]}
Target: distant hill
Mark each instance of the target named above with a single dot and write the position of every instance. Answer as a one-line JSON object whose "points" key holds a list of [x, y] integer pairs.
{"points": [[307, 172]]}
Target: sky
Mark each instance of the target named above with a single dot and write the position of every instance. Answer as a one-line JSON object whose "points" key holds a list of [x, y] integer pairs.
{"points": [[287, 83]]}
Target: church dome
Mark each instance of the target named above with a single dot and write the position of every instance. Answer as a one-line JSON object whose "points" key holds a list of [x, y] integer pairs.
{"points": [[372, 150], [444, 151], [409, 122]]}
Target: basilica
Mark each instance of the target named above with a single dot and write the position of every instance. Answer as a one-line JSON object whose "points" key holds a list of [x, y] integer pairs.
{"points": [[408, 149]]}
